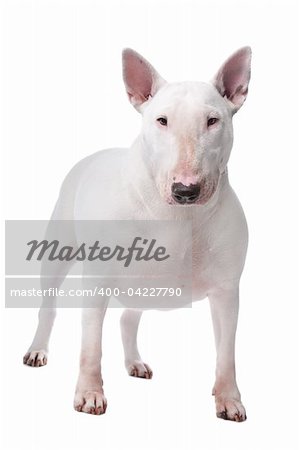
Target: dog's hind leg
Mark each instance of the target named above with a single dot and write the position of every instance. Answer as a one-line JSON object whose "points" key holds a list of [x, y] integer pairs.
{"points": [[37, 354], [52, 276], [129, 326]]}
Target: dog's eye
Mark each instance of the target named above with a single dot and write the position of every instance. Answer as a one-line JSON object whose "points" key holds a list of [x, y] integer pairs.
{"points": [[162, 121], [212, 121]]}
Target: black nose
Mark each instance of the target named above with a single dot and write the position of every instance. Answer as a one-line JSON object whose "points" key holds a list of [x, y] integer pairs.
{"points": [[185, 194]]}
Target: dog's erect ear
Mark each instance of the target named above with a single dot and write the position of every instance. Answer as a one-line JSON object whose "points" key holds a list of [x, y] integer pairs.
{"points": [[142, 81], [233, 78]]}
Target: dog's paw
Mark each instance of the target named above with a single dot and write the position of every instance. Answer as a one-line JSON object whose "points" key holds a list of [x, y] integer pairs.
{"points": [[90, 402], [230, 409], [36, 358], [139, 369]]}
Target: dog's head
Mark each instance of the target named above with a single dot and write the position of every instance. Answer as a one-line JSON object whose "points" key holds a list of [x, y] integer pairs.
{"points": [[187, 127]]}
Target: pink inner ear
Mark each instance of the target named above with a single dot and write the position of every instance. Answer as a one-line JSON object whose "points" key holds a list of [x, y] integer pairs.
{"points": [[138, 77], [233, 78], [236, 75]]}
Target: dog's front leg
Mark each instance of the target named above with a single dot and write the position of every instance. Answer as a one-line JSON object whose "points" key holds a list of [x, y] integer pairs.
{"points": [[89, 396], [224, 305]]}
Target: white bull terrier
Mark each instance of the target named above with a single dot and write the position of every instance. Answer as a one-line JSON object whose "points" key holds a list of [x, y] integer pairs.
{"points": [[175, 170]]}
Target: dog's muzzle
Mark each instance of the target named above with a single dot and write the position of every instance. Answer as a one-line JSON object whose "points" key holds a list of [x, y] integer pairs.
{"points": [[185, 194]]}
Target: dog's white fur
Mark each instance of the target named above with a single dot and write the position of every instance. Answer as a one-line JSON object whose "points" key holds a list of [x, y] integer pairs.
{"points": [[136, 183]]}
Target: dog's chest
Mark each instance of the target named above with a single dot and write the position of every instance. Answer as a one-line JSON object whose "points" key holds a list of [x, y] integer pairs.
{"points": [[203, 256], [198, 262]]}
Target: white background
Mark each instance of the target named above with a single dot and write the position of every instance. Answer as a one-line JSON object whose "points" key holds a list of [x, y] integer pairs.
{"points": [[62, 99]]}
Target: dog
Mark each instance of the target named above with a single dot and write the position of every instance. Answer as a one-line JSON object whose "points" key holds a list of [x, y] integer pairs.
{"points": [[175, 169]]}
